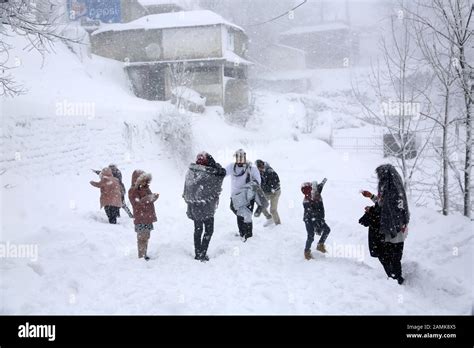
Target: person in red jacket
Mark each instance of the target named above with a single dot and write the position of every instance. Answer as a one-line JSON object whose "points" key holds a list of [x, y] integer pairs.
{"points": [[314, 216], [143, 204], [110, 194]]}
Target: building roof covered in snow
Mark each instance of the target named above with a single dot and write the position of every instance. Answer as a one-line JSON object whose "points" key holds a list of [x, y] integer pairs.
{"points": [[227, 56], [316, 28], [286, 47], [171, 20]]}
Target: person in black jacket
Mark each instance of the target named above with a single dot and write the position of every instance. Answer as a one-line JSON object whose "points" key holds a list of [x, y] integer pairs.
{"points": [[271, 187], [371, 219], [202, 188], [392, 202], [314, 216]]}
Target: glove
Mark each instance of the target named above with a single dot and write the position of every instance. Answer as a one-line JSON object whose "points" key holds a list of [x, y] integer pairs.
{"points": [[404, 229], [366, 194]]}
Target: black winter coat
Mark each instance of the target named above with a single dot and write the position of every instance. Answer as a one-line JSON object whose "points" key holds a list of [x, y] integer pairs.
{"points": [[270, 180], [202, 188], [394, 213], [314, 209], [371, 219]]}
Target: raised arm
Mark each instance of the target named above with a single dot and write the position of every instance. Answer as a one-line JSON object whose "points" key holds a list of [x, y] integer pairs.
{"points": [[97, 184], [321, 185]]}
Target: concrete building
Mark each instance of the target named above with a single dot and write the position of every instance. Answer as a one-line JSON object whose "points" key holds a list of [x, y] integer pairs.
{"points": [[280, 68], [211, 50], [329, 45]]}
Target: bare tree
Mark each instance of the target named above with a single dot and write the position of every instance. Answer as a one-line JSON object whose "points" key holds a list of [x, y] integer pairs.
{"points": [[439, 57], [450, 21], [38, 22], [180, 79], [398, 82]]}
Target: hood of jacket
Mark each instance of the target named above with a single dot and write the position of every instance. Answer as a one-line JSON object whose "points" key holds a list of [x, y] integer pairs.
{"points": [[106, 172], [136, 174]]}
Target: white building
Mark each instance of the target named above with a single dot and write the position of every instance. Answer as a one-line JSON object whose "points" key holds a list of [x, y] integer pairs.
{"points": [[212, 49]]}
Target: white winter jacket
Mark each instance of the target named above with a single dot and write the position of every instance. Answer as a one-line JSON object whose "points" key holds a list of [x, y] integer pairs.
{"points": [[239, 175]]}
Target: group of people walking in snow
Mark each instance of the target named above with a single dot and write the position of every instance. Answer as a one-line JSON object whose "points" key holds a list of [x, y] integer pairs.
{"points": [[259, 185]]}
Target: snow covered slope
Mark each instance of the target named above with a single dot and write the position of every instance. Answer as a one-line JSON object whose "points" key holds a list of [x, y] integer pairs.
{"points": [[86, 266]]}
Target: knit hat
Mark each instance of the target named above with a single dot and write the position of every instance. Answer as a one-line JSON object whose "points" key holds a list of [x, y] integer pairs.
{"points": [[240, 156], [307, 189], [202, 158]]}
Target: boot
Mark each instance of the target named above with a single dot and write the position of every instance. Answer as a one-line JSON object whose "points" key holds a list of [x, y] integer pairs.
{"points": [[400, 280], [268, 222], [321, 248], [307, 255]]}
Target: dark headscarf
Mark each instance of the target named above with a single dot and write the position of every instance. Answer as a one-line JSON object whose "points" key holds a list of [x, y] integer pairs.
{"points": [[393, 203]]}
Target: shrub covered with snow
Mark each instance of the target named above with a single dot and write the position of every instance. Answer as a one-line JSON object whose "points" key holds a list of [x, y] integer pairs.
{"points": [[175, 130]]}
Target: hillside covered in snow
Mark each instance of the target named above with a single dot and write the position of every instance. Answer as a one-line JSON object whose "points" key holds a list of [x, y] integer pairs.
{"points": [[80, 114]]}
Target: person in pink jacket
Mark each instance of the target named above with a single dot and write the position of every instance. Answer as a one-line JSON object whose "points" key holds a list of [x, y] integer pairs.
{"points": [[110, 194]]}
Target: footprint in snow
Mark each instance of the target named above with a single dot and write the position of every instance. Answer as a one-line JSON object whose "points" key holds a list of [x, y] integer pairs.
{"points": [[37, 268]]}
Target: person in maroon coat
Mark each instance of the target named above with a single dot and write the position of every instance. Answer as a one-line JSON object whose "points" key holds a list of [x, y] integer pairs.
{"points": [[143, 204], [110, 194]]}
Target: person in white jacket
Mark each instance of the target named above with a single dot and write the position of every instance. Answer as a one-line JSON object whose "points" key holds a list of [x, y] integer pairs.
{"points": [[242, 172]]}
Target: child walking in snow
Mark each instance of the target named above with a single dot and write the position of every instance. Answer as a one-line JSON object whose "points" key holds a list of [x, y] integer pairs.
{"points": [[314, 216], [143, 204], [110, 194]]}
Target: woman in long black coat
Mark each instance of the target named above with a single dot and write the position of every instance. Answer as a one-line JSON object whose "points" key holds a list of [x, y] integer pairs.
{"points": [[202, 188], [391, 203]]}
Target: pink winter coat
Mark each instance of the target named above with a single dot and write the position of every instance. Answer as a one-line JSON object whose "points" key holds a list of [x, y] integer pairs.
{"points": [[110, 189], [142, 199]]}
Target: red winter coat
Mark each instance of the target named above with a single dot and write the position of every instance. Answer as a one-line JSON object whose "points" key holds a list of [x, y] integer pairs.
{"points": [[142, 199], [110, 189]]}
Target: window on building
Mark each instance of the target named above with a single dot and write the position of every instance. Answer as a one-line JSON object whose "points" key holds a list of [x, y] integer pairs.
{"points": [[230, 41], [234, 72]]}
